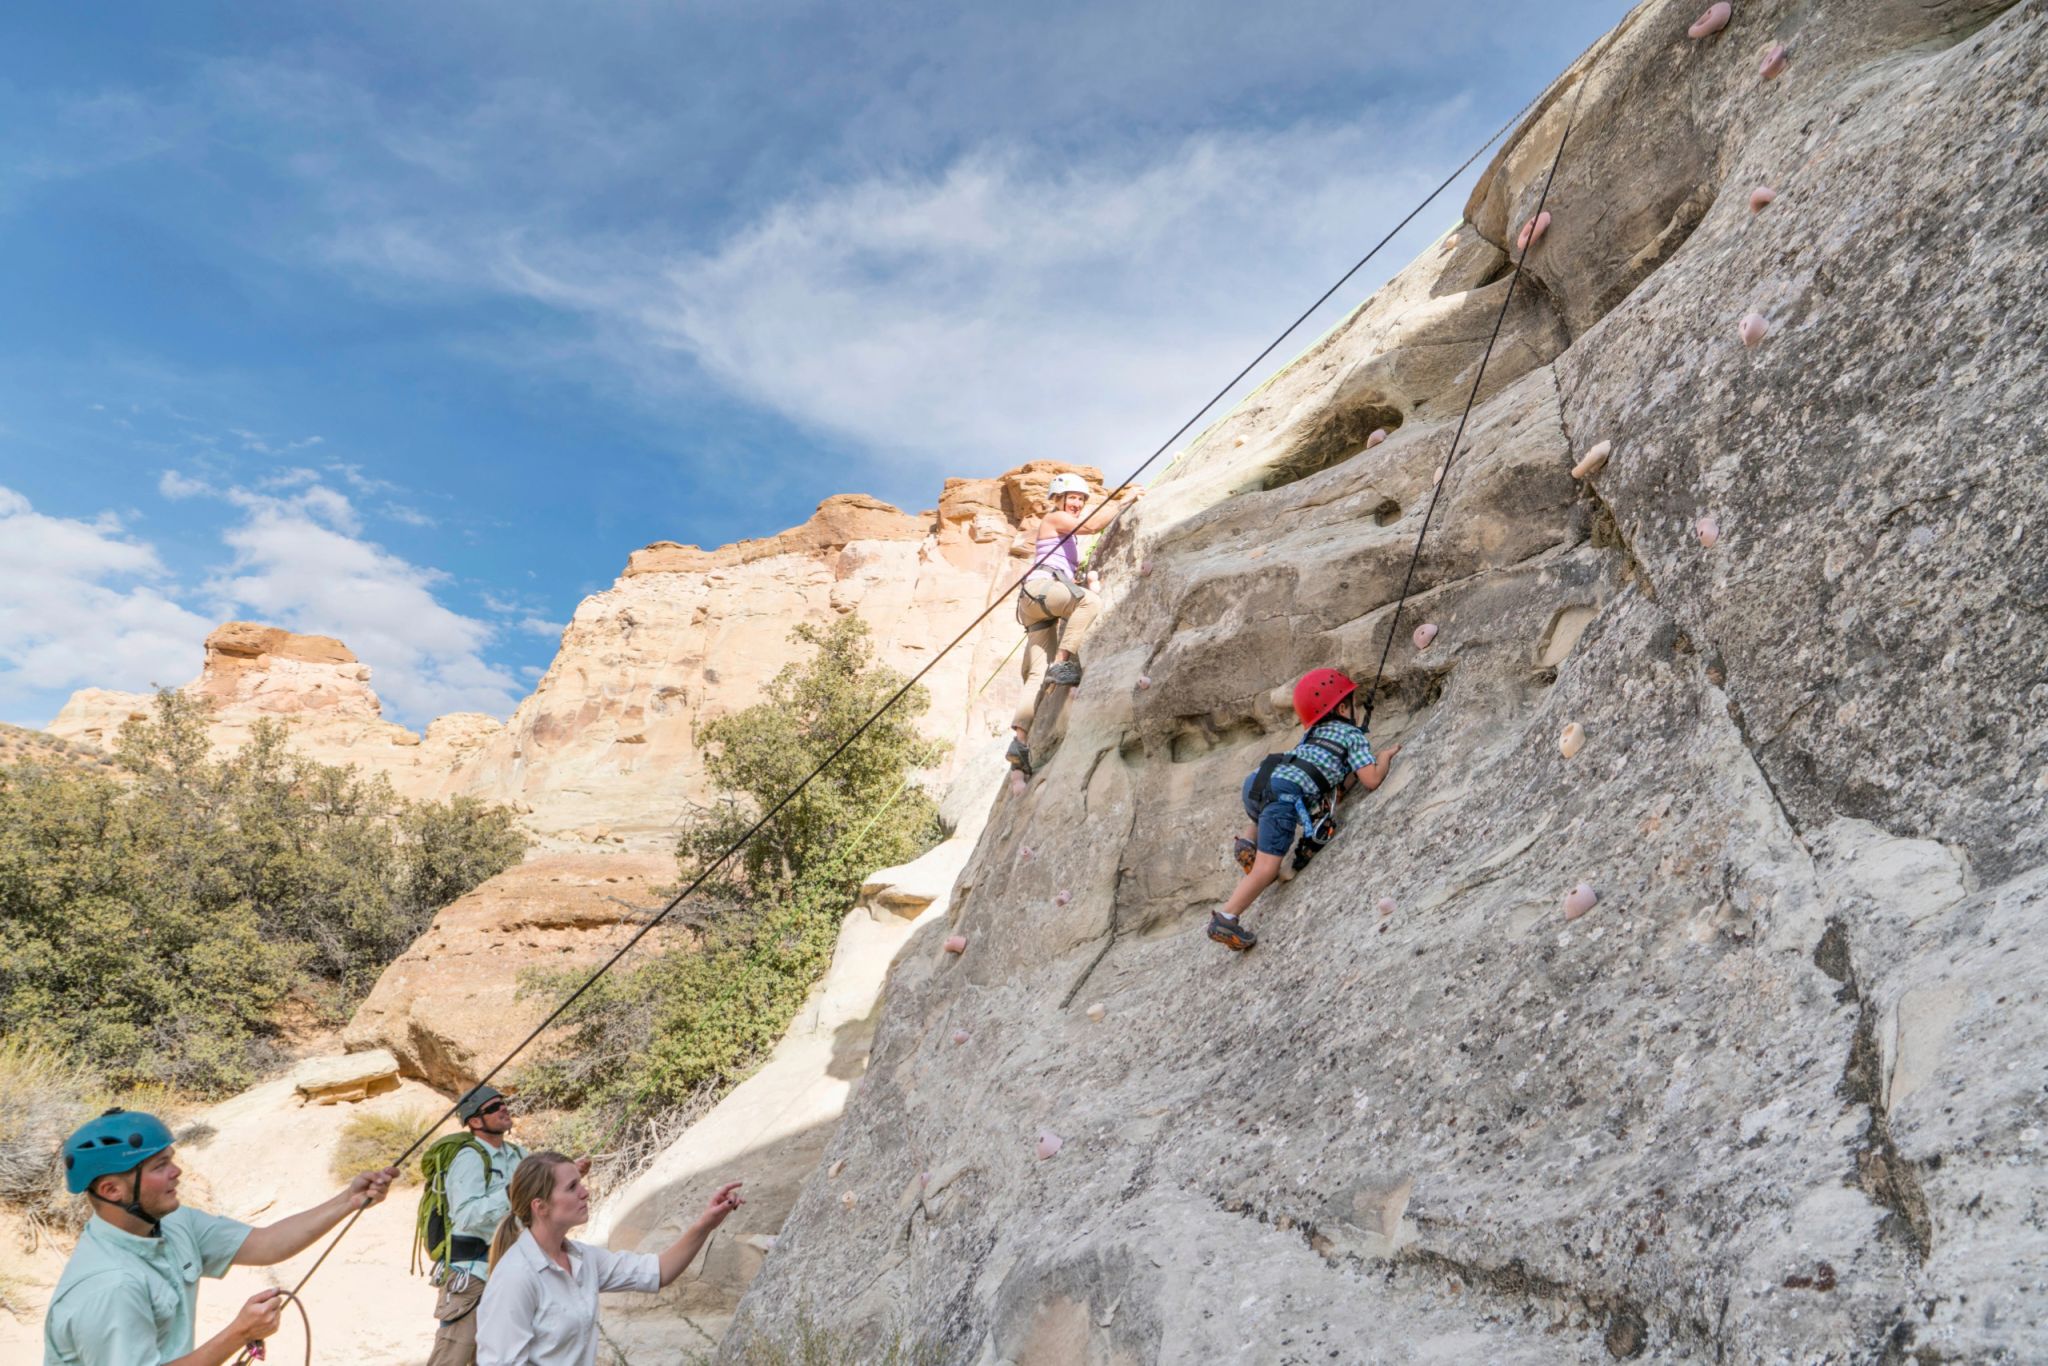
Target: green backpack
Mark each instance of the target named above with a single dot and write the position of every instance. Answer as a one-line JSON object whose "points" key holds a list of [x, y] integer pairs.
{"points": [[431, 1233]]}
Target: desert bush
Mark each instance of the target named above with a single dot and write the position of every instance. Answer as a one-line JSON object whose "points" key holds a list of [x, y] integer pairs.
{"points": [[43, 1097], [152, 926], [668, 1037], [375, 1138]]}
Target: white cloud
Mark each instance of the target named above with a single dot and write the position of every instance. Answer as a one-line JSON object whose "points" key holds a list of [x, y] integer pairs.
{"points": [[534, 626], [299, 562], [81, 604], [1007, 308], [172, 484], [411, 516]]}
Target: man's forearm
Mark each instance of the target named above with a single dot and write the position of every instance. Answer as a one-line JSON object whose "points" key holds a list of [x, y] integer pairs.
{"points": [[273, 1243], [215, 1351]]}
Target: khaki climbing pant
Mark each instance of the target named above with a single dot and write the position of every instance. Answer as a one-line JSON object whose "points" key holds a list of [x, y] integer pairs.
{"points": [[455, 1339], [1061, 622]]}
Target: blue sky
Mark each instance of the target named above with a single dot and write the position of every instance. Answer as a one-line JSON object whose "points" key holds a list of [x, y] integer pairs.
{"points": [[407, 323]]}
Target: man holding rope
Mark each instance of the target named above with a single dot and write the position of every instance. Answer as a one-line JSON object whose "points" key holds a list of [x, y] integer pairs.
{"points": [[127, 1296]]}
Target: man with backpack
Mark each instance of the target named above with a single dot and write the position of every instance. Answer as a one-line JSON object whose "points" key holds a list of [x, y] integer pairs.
{"points": [[465, 1179], [1298, 790]]}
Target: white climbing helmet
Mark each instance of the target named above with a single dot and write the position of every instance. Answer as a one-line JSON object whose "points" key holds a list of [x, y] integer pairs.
{"points": [[1064, 484]]}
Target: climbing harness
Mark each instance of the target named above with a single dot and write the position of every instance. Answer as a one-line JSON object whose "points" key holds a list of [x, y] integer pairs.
{"points": [[254, 1351]]}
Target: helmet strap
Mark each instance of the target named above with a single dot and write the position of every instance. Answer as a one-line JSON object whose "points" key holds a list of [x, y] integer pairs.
{"points": [[132, 1206]]}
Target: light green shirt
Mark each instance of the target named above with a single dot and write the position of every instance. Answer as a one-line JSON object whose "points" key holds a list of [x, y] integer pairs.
{"points": [[128, 1301], [476, 1195]]}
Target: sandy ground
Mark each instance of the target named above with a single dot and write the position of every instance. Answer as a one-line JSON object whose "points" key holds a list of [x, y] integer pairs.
{"points": [[270, 1157]]}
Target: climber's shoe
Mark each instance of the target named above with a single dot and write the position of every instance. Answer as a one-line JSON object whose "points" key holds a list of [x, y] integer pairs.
{"points": [[1244, 851], [1019, 755], [1226, 931], [1314, 839], [1066, 673]]}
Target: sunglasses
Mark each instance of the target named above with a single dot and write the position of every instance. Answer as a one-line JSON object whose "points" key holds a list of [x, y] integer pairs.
{"points": [[494, 1107]]}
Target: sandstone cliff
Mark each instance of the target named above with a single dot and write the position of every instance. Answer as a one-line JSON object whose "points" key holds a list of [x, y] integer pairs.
{"points": [[1780, 1095]]}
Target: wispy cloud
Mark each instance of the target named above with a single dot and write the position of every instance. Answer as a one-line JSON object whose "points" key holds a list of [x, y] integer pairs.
{"points": [[84, 604]]}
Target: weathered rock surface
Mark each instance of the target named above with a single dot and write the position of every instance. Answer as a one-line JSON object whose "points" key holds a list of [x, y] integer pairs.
{"points": [[346, 1079], [1780, 1096], [450, 1007]]}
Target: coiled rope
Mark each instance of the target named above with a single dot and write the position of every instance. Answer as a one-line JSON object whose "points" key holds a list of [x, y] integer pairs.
{"points": [[253, 1351]]}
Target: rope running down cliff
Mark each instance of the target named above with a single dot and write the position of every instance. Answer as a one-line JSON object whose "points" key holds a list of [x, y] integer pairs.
{"points": [[1444, 473], [950, 646]]}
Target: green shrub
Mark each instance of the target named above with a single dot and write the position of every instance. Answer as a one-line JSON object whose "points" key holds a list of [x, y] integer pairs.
{"points": [[667, 1037], [154, 925], [373, 1139]]}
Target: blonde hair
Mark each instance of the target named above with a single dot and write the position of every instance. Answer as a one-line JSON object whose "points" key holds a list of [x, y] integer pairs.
{"points": [[533, 1179]]}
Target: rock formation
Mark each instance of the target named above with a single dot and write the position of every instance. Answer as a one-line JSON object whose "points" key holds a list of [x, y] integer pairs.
{"points": [[1779, 1094]]}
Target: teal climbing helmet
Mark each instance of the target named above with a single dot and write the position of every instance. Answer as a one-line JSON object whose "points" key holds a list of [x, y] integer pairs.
{"points": [[118, 1141]]}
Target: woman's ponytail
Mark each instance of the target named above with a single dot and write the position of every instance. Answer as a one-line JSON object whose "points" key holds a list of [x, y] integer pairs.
{"points": [[533, 1179]]}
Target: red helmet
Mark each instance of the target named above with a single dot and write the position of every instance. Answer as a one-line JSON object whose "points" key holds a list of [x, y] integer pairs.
{"points": [[1318, 694]]}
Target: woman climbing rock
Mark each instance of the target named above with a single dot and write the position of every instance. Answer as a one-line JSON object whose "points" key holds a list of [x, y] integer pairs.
{"points": [[1053, 607]]}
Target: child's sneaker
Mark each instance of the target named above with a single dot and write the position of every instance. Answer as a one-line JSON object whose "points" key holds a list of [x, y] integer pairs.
{"points": [[1313, 842], [1231, 935], [1244, 851]]}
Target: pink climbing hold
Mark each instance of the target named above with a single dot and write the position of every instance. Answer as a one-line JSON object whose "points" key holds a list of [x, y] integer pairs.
{"points": [[1760, 198], [1713, 21], [1424, 634], [1579, 900], [1595, 458], [1144, 569], [1532, 231], [1773, 64], [959, 1037], [956, 943], [1379, 434], [1049, 1143], [1027, 853], [1708, 529], [1017, 783], [1386, 906], [1571, 740], [1143, 682], [1754, 328], [1063, 898]]}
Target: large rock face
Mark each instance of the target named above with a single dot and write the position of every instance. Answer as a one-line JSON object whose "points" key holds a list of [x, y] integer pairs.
{"points": [[1780, 1096]]}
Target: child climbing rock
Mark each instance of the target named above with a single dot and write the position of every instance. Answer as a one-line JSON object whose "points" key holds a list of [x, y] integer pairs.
{"points": [[1055, 611], [1298, 790]]}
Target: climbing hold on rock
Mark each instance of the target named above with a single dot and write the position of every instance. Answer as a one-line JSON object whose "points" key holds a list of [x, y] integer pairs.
{"points": [[1760, 198], [1595, 458], [1573, 738], [1424, 634], [956, 943], [832, 1173], [1144, 569], [1708, 530], [1063, 898], [1238, 442], [1754, 327], [959, 1037], [1017, 784], [1713, 21], [1098, 1012], [1027, 853], [1143, 682], [847, 1199], [1386, 906], [1773, 64], [1579, 900], [1049, 1143], [1437, 477], [1379, 434], [1532, 231]]}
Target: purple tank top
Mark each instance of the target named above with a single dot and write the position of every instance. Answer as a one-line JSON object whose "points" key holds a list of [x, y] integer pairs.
{"points": [[1053, 551]]}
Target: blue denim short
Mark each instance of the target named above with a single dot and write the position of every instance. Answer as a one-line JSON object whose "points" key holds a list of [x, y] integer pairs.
{"points": [[1280, 817]]}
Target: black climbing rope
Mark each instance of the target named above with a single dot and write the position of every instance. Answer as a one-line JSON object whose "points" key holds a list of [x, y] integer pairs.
{"points": [[897, 696], [1443, 478]]}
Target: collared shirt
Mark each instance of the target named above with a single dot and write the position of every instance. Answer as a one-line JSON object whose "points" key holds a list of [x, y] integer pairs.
{"points": [[476, 1195], [1345, 736], [128, 1301], [533, 1313]]}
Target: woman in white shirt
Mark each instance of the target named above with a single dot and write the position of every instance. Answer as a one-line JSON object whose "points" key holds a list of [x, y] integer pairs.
{"points": [[540, 1300]]}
